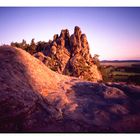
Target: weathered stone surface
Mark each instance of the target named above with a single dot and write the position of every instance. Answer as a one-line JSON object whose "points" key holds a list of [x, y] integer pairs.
{"points": [[35, 99], [64, 49], [20, 93]]}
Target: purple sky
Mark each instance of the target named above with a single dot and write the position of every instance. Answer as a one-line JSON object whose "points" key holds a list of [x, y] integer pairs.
{"points": [[113, 33]]}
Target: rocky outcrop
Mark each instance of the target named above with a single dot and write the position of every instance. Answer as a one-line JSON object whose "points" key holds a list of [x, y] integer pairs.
{"points": [[22, 86], [33, 98], [69, 55]]}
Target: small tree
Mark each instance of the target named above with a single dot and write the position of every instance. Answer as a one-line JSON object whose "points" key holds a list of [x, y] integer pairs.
{"points": [[96, 60], [32, 48], [24, 45]]}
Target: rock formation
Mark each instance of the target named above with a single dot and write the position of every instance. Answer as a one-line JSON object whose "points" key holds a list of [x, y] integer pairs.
{"points": [[69, 55], [34, 98]]}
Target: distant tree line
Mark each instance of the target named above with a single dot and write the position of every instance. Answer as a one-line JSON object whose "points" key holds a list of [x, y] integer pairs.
{"points": [[31, 48]]}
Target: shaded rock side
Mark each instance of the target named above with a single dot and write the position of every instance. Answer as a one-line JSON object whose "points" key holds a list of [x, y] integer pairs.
{"points": [[24, 83]]}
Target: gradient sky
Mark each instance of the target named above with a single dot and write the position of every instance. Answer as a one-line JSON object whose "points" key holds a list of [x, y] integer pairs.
{"points": [[113, 33]]}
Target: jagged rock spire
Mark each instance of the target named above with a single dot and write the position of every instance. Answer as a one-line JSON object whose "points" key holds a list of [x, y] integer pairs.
{"points": [[70, 55]]}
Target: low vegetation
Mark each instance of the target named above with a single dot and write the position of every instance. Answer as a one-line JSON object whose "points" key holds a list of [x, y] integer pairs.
{"points": [[128, 72]]}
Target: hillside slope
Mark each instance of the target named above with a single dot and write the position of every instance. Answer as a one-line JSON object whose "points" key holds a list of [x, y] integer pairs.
{"points": [[35, 99]]}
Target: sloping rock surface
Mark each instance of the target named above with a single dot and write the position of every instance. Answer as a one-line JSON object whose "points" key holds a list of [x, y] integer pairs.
{"points": [[35, 99]]}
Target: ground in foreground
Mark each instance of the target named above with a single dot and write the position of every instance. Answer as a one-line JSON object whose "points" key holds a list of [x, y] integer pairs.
{"points": [[35, 99]]}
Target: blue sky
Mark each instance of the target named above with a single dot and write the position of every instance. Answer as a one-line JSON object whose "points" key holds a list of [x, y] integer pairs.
{"points": [[113, 33]]}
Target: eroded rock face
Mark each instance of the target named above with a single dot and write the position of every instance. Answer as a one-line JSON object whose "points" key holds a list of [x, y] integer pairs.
{"points": [[20, 95], [69, 55], [35, 99]]}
